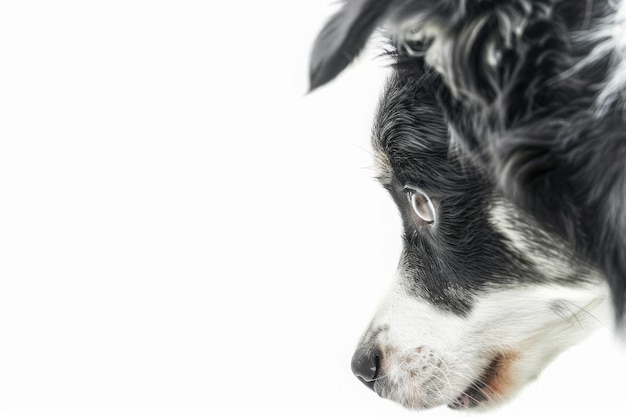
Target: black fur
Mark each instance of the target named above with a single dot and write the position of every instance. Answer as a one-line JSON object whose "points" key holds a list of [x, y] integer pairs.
{"points": [[513, 88], [456, 259], [343, 37]]}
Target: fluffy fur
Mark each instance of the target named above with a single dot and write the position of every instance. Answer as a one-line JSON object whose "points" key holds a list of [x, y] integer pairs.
{"points": [[508, 116]]}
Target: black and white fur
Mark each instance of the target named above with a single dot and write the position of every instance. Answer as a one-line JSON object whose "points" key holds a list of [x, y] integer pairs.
{"points": [[501, 137]]}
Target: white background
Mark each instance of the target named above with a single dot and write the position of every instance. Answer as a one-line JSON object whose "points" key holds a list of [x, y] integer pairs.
{"points": [[182, 228]]}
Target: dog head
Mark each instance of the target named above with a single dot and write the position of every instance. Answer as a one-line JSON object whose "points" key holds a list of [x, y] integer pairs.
{"points": [[484, 298]]}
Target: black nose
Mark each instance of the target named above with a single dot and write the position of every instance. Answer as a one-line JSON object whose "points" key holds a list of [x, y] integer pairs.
{"points": [[366, 366]]}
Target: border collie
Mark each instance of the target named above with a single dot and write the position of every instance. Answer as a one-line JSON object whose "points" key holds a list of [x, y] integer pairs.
{"points": [[501, 137]]}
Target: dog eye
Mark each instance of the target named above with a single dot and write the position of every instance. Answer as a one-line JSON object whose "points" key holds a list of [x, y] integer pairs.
{"points": [[422, 206]]}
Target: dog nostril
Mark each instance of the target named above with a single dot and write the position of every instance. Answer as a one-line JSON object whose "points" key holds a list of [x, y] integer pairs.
{"points": [[366, 366]]}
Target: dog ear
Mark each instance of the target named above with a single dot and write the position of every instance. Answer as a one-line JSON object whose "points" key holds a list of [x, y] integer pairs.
{"points": [[343, 37]]}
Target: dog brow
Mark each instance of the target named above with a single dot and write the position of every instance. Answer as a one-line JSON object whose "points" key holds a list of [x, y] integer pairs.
{"points": [[383, 167]]}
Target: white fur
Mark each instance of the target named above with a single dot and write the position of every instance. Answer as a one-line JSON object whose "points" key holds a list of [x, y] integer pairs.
{"points": [[615, 32], [554, 262], [383, 167], [609, 38], [430, 357]]}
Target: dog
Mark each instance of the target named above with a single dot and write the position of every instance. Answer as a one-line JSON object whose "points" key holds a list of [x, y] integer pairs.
{"points": [[501, 138]]}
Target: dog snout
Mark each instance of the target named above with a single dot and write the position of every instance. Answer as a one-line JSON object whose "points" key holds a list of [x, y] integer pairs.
{"points": [[366, 365]]}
